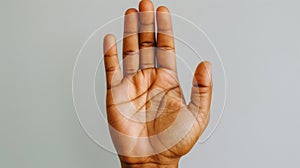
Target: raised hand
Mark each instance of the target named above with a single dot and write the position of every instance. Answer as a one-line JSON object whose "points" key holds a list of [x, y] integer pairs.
{"points": [[150, 123]]}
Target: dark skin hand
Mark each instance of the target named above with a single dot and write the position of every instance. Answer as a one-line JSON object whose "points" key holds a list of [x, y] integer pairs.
{"points": [[146, 99]]}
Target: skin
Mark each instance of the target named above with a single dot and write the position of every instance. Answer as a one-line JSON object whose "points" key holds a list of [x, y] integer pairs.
{"points": [[149, 89]]}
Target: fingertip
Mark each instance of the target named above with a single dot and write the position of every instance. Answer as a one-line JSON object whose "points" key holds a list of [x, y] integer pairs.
{"points": [[109, 38], [146, 5], [206, 65], [108, 42], [130, 11], [163, 9], [203, 74]]}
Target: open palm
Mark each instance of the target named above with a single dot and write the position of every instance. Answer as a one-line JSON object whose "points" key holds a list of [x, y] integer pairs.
{"points": [[150, 123]]}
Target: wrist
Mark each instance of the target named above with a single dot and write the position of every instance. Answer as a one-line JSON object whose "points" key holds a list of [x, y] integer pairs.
{"points": [[171, 164]]}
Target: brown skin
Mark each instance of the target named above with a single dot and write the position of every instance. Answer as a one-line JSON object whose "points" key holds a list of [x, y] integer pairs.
{"points": [[141, 77]]}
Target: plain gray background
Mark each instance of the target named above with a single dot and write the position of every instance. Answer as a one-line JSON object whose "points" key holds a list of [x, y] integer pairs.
{"points": [[259, 42]]}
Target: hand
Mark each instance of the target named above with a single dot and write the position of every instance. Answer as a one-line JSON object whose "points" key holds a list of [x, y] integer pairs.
{"points": [[150, 123]]}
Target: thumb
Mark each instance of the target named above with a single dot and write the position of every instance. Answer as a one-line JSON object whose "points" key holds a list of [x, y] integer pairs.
{"points": [[202, 91]]}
